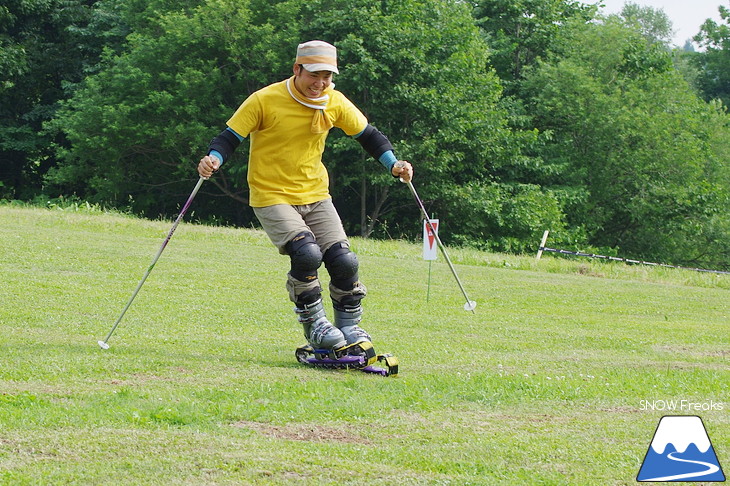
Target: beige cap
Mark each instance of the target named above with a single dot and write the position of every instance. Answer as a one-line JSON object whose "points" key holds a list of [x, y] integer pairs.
{"points": [[317, 55]]}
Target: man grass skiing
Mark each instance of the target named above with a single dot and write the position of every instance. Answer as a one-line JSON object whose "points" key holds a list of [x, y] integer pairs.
{"points": [[287, 123]]}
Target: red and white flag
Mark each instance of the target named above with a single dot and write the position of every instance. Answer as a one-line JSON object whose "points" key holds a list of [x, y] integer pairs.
{"points": [[430, 248]]}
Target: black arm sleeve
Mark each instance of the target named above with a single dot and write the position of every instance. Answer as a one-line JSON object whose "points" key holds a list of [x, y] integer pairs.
{"points": [[374, 142], [225, 143]]}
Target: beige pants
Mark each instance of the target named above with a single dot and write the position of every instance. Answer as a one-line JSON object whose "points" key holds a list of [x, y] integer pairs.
{"points": [[282, 222]]}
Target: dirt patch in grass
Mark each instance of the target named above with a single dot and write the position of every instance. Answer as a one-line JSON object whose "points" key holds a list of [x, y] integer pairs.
{"points": [[695, 351], [589, 271], [304, 432]]}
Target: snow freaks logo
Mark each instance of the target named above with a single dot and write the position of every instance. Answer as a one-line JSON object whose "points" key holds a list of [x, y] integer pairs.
{"points": [[680, 451]]}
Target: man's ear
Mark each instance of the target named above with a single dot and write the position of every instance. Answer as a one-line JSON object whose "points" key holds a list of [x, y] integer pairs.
{"points": [[297, 68]]}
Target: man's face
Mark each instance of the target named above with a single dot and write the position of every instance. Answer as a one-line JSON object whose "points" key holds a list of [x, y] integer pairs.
{"points": [[311, 84]]}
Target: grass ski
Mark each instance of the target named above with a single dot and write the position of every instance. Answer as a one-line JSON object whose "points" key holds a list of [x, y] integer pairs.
{"points": [[360, 356]]}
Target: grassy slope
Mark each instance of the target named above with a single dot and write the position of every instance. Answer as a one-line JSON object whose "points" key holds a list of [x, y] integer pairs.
{"points": [[543, 385]]}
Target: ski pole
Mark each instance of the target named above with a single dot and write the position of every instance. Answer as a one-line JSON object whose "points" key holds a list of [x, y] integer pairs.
{"points": [[103, 344], [470, 305]]}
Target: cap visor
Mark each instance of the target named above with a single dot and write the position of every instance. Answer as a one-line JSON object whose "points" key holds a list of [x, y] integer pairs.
{"points": [[320, 67]]}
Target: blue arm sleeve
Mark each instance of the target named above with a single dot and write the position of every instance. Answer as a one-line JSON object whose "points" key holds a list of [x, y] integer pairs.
{"points": [[388, 159], [217, 155]]}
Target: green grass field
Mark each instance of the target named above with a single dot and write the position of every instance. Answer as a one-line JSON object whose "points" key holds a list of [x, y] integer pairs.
{"points": [[548, 383]]}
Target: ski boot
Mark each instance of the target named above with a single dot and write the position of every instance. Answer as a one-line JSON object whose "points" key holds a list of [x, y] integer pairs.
{"points": [[318, 331], [347, 320]]}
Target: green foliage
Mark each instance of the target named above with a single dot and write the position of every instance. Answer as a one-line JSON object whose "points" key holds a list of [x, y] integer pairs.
{"points": [[145, 112], [654, 24], [630, 130], [180, 77], [39, 61], [437, 102], [714, 61], [524, 31], [501, 217], [516, 115]]}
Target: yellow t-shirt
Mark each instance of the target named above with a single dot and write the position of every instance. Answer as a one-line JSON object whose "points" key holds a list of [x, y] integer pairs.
{"points": [[285, 161]]}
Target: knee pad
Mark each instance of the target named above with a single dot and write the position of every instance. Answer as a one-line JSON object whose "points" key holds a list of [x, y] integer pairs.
{"points": [[342, 266], [306, 257]]}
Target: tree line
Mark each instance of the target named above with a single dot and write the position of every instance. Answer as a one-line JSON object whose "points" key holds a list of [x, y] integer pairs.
{"points": [[519, 116]]}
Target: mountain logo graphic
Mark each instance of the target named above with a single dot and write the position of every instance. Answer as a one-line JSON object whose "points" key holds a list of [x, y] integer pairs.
{"points": [[680, 451]]}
